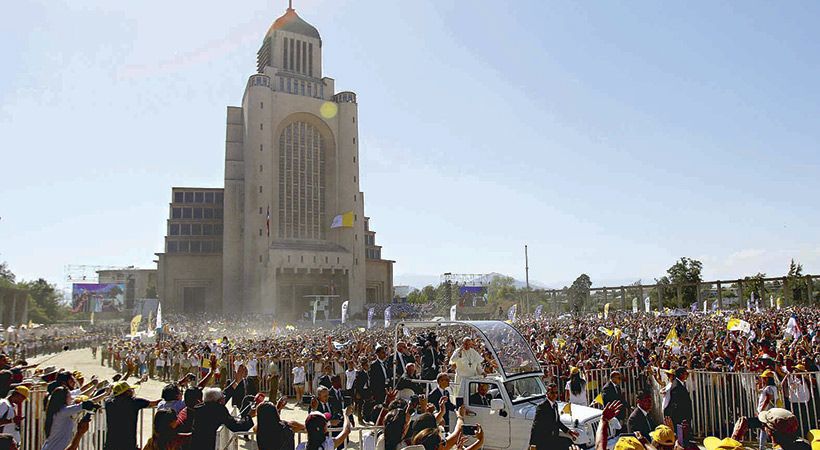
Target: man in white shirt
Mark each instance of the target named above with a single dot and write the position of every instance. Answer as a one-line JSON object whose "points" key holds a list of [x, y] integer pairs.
{"points": [[466, 360], [9, 422], [252, 365]]}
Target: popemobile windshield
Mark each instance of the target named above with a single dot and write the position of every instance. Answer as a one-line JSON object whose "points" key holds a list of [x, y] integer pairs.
{"points": [[516, 387]]}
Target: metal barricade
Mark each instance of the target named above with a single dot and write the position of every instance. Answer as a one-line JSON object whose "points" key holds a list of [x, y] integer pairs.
{"points": [[633, 382], [719, 399], [229, 440]]}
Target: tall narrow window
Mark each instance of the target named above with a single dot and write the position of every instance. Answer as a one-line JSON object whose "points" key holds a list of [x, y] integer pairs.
{"points": [[298, 56], [304, 57], [290, 67], [310, 59], [285, 55]]}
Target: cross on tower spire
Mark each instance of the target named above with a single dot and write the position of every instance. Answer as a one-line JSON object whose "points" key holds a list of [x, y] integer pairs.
{"points": [[290, 5]]}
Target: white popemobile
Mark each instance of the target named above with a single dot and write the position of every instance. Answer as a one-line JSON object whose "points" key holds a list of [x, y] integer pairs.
{"points": [[516, 388]]}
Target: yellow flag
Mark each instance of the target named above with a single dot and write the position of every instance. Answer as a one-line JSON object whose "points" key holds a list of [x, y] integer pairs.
{"points": [[599, 400], [606, 331], [735, 324], [343, 220], [606, 311], [672, 339], [567, 409], [135, 324], [290, 327]]}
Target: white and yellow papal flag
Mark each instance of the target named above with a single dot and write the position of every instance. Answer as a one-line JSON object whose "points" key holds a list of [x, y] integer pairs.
{"points": [[736, 324], [343, 220]]}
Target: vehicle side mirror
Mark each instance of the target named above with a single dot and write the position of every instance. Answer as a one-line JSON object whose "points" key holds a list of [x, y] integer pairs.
{"points": [[496, 405]]}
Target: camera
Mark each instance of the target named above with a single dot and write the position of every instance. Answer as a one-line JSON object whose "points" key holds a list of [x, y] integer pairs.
{"points": [[469, 430], [307, 398]]}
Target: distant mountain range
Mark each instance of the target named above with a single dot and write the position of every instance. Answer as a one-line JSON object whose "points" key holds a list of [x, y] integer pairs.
{"points": [[418, 281]]}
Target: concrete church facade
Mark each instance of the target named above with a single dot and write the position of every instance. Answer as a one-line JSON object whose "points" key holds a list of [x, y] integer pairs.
{"points": [[291, 169]]}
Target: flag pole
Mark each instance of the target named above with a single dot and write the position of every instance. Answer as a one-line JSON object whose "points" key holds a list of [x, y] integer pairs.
{"points": [[527, 275]]}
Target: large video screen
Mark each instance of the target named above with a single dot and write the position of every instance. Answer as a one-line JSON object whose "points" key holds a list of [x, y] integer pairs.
{"points": [[98, 297], [472, 296]]}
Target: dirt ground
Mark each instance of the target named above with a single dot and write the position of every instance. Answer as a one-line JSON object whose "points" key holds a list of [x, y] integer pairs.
{"points": [[82, 360]]}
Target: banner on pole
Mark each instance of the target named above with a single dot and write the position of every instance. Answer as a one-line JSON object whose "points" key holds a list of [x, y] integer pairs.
{"points": [[511, 313], [135, 324], [453, 313], [344, 311], [159, 317], [538, 310], [370, 313], [387, 314]]}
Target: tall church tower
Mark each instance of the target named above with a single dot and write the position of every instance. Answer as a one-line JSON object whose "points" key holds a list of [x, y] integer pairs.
{"points": [[291, 167]]}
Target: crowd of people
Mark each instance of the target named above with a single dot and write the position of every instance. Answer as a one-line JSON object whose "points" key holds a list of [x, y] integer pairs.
{"points": [[345, 375]]}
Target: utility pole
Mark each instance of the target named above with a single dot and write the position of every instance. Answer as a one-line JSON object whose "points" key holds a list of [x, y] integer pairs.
{"points": [[527, 275]]}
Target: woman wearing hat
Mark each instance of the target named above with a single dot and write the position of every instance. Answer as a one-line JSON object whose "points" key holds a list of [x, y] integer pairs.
{"points": [[767, 398]]}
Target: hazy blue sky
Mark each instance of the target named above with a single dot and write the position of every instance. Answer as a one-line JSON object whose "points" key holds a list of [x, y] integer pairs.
{"points": [[612, 137]]}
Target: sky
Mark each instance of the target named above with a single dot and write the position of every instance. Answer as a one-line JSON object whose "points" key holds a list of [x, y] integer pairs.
{"points": [[612, 138]]}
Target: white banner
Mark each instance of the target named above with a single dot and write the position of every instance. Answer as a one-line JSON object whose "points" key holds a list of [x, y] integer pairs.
{"points": [[370, 313], [159, 317], [315, 310], [387, 317], [538, 310], [453, 313], [635, 305], [511, 313], [344, 311], [646, 305]]}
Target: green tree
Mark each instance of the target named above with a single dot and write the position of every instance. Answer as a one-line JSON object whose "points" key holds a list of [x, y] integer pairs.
{"points": [[796, 289], [684, 271], [425, 295], [579, 293], [46, 298], [7, 277], [755, 284], [151, 292], [501, 288]]}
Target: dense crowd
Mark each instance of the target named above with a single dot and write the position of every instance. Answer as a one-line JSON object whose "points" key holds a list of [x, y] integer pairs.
{"points": [[346, 375]]}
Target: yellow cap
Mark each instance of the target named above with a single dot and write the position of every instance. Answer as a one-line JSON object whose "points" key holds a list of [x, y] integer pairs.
{"points": [[767, 374], [121, 387], [663, 435], [629, 443], [800, 367], [574, 370], [813, 436], [713, 443], [22, 390]]}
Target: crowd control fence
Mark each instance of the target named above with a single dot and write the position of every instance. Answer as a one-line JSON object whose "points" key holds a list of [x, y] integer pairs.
{"points": [[719, 399], [246, 440], [32, 428]]}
